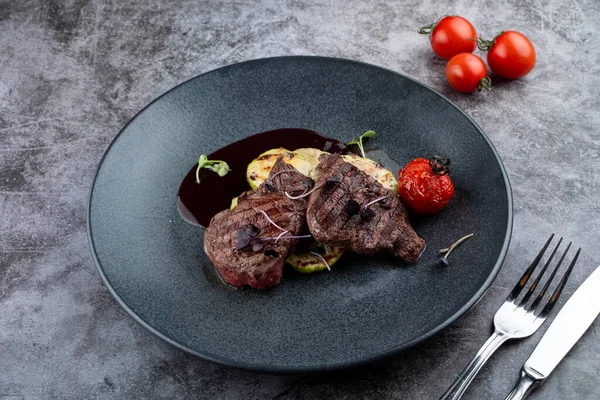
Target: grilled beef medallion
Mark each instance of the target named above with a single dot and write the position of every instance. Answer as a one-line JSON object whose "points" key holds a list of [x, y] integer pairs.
{"points": [[242, 242], [348, 208]]}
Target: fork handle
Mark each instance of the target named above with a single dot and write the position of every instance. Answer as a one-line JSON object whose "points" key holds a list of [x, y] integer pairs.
{"points": [[460, 385]]}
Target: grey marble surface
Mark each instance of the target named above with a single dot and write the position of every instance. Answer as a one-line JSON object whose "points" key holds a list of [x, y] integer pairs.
{"points": [[72, 72]]}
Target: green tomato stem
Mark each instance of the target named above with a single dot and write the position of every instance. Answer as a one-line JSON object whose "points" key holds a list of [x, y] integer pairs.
{"points": [[485, 83], [426, 30], [486, 45]]}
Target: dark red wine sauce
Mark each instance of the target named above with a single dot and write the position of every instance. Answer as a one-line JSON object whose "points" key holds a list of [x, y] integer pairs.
{"points": [[199, 202]]}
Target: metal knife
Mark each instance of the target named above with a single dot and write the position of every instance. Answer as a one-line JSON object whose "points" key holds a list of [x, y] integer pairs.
{"points": [[570, 324]]}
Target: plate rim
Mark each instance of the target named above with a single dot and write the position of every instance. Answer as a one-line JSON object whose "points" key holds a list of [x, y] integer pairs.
{"points": [[302, 370]]}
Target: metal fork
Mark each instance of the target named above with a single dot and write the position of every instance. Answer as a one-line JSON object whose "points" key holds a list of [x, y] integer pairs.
{"points": [[515, 320]]}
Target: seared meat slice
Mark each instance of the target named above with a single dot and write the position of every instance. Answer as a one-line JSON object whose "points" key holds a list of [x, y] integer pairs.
{"points": [[338, 213], [241, 242], [285, 178]]}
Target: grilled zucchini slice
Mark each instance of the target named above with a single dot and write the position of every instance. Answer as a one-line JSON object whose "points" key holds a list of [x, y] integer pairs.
{"points": [[308, 263], [259, 169], [375, 170]]}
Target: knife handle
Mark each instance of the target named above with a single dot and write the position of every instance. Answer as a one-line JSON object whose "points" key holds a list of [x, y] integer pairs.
{"points": [[527, 382]]}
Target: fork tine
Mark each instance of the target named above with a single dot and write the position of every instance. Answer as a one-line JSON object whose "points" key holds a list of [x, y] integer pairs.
{"points": [[557, 292], [519, 286], [539, 277], [549, 281]]}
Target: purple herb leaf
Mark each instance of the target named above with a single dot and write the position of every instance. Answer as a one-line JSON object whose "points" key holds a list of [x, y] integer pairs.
{"points": [[252, 230], [444, 261], [242, 239], [352, 207], [331, 183], [367, 214], [245, 235], [257, 244]]}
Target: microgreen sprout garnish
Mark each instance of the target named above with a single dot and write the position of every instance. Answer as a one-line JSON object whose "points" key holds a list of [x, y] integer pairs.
{"points": [[288, 237], [454, 245], [283, 231], [247, 236], [280, 235], [439, 165], [285, 170], [323, 260], [218, 166], [359, 141], [270, 184], [364, 207], [271, 221], [301, 195], [330, 181]]}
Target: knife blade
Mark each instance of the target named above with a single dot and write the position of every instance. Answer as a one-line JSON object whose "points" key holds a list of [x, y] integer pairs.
{"points": [[570, 324]]}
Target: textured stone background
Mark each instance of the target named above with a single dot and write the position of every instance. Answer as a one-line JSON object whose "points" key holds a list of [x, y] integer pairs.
{"points": [[72, 72]]}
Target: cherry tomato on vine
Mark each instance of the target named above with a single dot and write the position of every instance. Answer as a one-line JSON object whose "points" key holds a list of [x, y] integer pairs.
{"points": [[510, 54], [425, 186], [450, 36], [466, 73]]}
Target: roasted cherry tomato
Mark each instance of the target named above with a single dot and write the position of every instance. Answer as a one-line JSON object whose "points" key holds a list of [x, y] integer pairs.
{"points": [[425, 186], [450, 36], [510, 54], [466, 73]]}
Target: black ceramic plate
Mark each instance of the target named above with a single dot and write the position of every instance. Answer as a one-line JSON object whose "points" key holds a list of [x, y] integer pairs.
{"points": [[367, 307]]}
